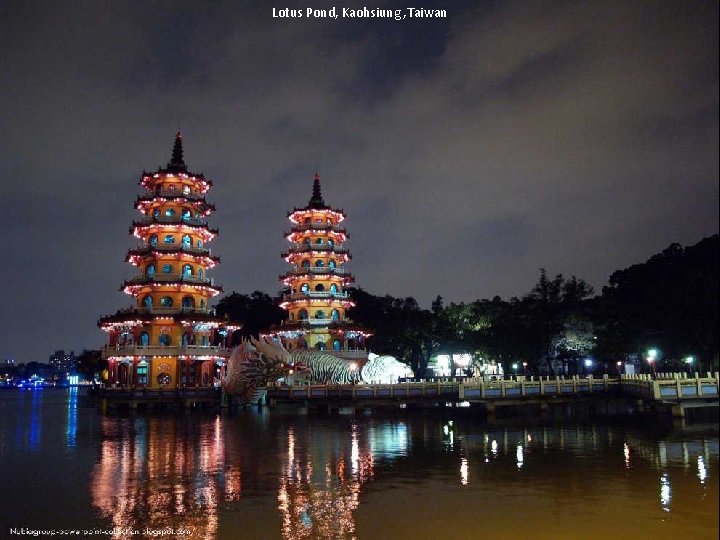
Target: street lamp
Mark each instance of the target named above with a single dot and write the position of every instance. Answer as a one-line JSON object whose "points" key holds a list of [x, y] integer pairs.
{"points": [[652, 355], [515, 366], [689, 361], [524, 368], [619, 366]]}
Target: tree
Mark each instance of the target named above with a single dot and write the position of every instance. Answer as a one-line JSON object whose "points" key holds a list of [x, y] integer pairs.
{"points": [[257, 312], [554, 306], [90, 362], [669, 302]]}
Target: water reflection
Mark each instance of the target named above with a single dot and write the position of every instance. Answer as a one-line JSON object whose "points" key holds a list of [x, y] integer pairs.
{"points": [[317, 473], [464, 473], [71, 419], [156, 473], [701, 470], [318, 492], [665, 492], [35, 420]]}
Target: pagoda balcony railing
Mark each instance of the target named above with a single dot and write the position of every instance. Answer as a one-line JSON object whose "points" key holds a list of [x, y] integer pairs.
{"points": [[173, 193], [161, 310], [316, 227], [134, 349], [317, 270], [173, 247], [315, 294], [318, 322], [338, 248], [174, 220], [170, 278]]}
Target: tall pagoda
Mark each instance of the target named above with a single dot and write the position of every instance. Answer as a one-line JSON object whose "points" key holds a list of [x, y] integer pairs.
{"points": [[315, 298], [170, 336]]}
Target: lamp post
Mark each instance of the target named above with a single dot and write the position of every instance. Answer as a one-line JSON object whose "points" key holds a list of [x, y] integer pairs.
{"points": [[619, 367], [588, 366], [652, 355], [515, 367], [525, 368], [689, 361]]}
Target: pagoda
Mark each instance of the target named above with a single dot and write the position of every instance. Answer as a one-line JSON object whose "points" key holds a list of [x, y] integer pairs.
{"points": [[316, 298], [170, 336]]}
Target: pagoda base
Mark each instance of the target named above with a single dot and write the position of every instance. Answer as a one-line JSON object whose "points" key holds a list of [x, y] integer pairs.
{"points": [[134, 397]]}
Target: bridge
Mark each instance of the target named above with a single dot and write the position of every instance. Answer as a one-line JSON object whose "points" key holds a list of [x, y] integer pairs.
{"points": [[676, 391]]}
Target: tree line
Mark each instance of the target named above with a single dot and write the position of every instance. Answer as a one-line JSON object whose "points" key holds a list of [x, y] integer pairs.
{"points": [[668, 303]]}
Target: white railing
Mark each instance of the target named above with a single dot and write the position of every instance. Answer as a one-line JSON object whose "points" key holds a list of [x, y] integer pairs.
{"points": [[672, 386], [469, 391]]}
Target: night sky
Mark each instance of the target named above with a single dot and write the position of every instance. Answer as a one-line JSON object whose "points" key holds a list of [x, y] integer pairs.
{"points": [[468, 152]]}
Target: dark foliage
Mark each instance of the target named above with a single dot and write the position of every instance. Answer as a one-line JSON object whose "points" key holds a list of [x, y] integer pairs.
{"points": [[669, 302], [257, 312]]}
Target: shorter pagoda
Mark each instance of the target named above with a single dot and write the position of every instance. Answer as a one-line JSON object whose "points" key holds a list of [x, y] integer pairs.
{"points": [[316, 298], [170, 337]]}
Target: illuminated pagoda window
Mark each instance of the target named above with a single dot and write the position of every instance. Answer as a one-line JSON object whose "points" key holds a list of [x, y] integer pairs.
{"points": [[169, 330]]}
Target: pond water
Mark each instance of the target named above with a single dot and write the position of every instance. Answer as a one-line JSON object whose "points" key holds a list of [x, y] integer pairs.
{"points": [[265, 474]]}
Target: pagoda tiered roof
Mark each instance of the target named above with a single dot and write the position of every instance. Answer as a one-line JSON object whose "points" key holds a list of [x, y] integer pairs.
{"points": [[183, 283], [136, 255]]}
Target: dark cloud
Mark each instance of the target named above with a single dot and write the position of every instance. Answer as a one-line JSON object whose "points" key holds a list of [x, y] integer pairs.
{"points": [[468, 153]]}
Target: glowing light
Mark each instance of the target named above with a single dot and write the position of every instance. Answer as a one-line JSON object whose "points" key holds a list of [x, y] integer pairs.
{"points": [[626, 454], [464, 473], [462, 360], [689, 360], [588, 362], [665, 492], [519, 456], [354, 451], [702, 473], [494, 448]]}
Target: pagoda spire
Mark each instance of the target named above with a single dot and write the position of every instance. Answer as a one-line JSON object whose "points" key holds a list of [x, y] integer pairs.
{"points": [[177, 162], [317, 201]]}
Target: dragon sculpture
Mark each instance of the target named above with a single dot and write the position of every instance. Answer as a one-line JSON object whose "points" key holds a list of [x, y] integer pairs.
{"points": [[258, 362]]}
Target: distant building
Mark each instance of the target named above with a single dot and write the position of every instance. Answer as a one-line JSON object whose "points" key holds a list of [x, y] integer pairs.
{"points": [[63, 362], [9, 362]]}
